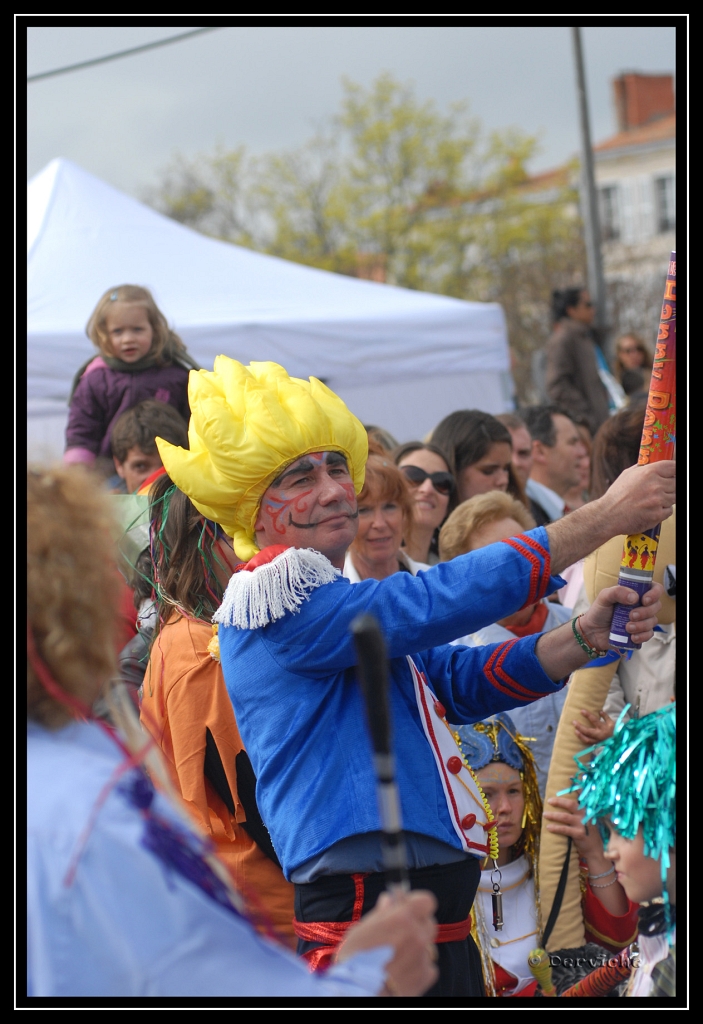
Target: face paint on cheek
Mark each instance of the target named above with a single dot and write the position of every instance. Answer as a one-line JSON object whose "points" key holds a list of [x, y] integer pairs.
{"points": [[276, 507], [348, 489], [300, 507]]}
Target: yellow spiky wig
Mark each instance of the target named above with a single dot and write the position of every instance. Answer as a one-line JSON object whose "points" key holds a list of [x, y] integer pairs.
{"points": [[247, 424]]}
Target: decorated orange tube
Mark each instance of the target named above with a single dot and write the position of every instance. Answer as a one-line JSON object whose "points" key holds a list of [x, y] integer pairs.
{"points": [[603, 980], [658, 443]]}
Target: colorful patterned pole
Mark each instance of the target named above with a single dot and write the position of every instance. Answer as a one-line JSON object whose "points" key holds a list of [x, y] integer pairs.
{"points": [[658, 443]]}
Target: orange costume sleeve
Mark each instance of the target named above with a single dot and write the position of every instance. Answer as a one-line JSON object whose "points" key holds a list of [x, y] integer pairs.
{"points": [[184, 696]]}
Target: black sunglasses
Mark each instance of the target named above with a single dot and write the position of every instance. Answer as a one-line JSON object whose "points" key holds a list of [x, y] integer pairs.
{"points": [[443, 483]]}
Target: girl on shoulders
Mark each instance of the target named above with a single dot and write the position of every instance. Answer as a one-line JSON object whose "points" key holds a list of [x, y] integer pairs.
{"points": [[140, 358]]}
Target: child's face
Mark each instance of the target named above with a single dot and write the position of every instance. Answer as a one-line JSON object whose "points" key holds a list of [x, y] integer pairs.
{"points": [[136, 467], [503, 788], [129, 332], [639, 876]]}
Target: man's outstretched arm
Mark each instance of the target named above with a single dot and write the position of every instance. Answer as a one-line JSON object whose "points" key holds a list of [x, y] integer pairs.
{"points": [[640, 498]]}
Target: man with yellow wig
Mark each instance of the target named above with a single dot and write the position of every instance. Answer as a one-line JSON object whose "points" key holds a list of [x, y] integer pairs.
{"points": [[278, 462]]}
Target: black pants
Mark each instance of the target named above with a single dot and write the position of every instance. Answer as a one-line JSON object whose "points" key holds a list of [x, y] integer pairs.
{"points": [[332, 898]]}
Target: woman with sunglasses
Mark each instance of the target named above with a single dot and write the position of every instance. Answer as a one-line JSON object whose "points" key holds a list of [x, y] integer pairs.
{"points": [[575, 365], [631, 353], [426, 470]]}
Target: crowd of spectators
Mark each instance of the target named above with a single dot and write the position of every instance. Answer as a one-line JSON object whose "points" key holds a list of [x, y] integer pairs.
{"points": [[476, 480]]}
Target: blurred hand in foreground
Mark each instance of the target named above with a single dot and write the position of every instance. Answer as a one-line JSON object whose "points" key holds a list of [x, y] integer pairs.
{"points": [[406, 922]]}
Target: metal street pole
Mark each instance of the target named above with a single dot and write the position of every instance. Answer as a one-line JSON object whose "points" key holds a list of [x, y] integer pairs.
{"points": [[589, 200]]}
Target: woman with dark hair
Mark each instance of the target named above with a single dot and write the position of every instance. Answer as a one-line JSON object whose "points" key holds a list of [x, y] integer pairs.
{"points": [[573, 374], [480, 452], [185, 706], [426, 469]]}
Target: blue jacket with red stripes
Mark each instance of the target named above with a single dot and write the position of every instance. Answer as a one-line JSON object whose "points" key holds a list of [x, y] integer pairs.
{"points": [[299, 708]]}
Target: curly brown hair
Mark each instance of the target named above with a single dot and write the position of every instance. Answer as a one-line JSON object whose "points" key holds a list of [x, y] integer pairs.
{"points": [[472, 515], [72, 587]]}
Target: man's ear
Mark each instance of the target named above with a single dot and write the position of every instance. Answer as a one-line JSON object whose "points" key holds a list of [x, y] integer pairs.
{"points": [[118, 467], [538, 453]]}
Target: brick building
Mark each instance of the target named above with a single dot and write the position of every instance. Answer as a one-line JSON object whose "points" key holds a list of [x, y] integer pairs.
{"points": [[635, 172]]}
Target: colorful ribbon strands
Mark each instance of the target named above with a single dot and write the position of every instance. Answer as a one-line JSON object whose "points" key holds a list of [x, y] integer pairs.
{"points": [[657, 444]]}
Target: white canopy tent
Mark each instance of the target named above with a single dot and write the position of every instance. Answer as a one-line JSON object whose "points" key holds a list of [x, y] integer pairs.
{"points": [[401, 359]]}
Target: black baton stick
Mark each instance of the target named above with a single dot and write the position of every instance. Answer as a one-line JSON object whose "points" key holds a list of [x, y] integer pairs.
{"points": [[373, 677]]}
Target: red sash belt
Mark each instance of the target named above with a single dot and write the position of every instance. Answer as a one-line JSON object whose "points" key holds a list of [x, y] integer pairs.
{"points": [[331, 933]]}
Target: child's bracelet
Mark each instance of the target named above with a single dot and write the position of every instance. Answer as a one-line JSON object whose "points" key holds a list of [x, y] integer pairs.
{"points": [[605, 885], [608, 872]]}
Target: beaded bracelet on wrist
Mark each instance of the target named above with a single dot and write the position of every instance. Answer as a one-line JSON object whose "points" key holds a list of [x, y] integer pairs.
{"points": [[605, 885], [583, 634], [591, 651]]}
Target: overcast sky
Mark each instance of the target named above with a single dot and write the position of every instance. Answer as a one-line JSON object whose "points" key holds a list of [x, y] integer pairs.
{"points": [[267, 87]]}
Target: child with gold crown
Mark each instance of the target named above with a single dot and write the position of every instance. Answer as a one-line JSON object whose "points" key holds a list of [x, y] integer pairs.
{"points": [[505, 769]]}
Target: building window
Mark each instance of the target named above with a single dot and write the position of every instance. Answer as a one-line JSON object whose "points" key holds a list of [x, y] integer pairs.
{"points": [[666, 203], [609, 213]]}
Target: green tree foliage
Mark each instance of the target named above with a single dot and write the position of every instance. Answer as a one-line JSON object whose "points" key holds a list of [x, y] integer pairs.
{"points": [[397, 191]]}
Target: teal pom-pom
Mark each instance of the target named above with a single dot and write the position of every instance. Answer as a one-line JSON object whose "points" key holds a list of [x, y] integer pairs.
{"points": [[631, 779]]}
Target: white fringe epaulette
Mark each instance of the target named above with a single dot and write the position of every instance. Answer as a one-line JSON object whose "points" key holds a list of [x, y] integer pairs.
{"points": [[256, 598]]}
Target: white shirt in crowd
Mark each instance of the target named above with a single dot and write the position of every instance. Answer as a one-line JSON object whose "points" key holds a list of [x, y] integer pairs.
{"points": [[546, 498], [413, 566]]}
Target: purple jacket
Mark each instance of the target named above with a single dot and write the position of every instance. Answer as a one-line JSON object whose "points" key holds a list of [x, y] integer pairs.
{"points": [[103, 394]]}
